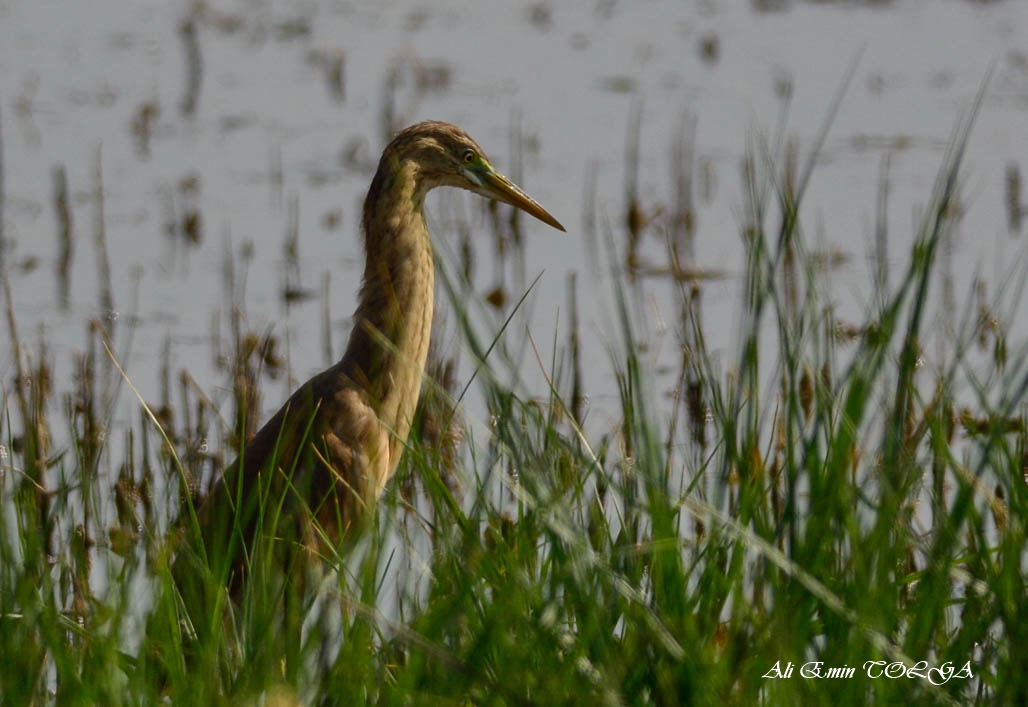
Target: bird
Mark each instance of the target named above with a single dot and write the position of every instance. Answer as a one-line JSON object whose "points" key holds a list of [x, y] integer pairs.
{"points": [[328, 453]]}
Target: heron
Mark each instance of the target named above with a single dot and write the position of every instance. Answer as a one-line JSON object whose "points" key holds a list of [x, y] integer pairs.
{"points": [[325, 457]]}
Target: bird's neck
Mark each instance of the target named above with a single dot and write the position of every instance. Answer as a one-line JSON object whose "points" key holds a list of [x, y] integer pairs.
{"points": [[388, 346]]}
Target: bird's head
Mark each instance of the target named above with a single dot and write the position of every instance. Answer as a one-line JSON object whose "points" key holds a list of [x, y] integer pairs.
{"points": [[442, 154]]}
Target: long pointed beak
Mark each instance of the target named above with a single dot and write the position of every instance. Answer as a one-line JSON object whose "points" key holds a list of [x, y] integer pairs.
{"points": [[499, 187]]}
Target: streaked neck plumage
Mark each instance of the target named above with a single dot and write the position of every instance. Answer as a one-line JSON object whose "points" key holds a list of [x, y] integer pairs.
{"points": [[393, 324]]}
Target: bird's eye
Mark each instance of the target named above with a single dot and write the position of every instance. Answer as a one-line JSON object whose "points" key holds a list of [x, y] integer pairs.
{"points": [[468, 157]]}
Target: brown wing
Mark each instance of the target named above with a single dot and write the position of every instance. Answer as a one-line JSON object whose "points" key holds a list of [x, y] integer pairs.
{"points": [[322, 455]]}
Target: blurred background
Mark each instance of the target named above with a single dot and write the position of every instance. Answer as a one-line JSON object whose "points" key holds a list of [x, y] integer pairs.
{"points": [[166, 163]]}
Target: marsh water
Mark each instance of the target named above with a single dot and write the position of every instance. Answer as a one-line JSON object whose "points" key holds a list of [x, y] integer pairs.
{"points": [[246, 133]]}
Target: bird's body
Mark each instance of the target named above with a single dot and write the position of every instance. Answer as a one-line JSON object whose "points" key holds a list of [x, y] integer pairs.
{"points": [[328, 453]]}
